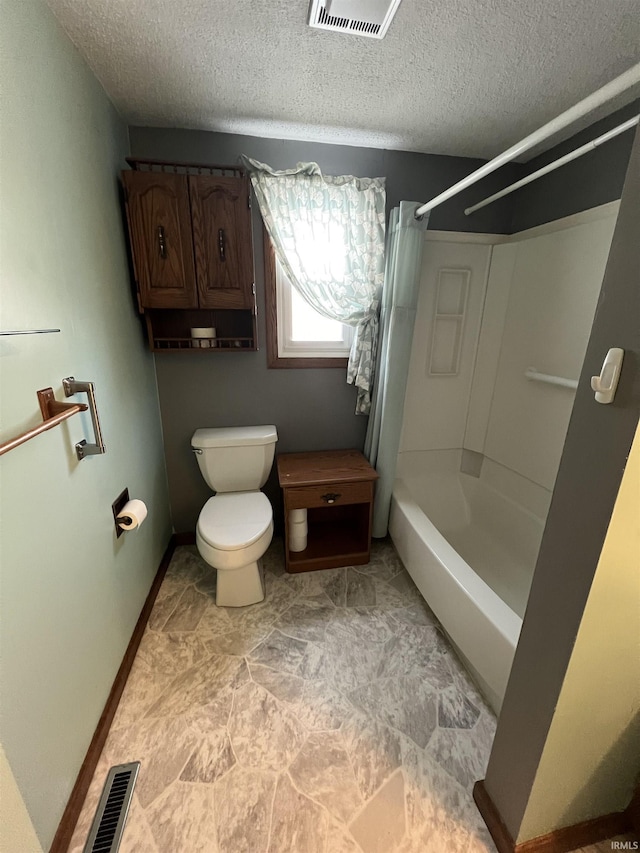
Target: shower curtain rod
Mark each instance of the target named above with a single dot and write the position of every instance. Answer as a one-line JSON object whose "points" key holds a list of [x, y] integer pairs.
{"points": [[555, 164], [582, 108]]}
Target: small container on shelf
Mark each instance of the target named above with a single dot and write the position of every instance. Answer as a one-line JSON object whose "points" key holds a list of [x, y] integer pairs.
{"points": [[203, 337]]}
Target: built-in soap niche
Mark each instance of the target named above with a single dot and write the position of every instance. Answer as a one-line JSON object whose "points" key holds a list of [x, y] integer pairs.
{"points": [[448, 321]]}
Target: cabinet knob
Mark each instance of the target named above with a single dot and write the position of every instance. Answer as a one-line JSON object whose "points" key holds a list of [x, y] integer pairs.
{"points": [[221, 246], [330, 497]]}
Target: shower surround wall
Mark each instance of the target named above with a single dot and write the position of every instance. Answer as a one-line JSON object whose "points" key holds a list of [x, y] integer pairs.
{"points": [[545, 283], [531, 300], [71, 592]]}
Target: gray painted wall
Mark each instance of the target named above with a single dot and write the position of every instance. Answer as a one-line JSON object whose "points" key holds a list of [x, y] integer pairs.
{"points": [[595, 453], [593, 179], [312, 409]]}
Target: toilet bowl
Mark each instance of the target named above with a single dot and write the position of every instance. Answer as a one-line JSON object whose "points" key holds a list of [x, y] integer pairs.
{"points": [[235, 526], [233, 532]]}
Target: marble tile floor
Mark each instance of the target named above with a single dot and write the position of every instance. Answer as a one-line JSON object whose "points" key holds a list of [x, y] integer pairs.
{"points": [[333, 717]]}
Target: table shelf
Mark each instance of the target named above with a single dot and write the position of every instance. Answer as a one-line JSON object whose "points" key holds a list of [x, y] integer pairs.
{"points": [[336, 488]]}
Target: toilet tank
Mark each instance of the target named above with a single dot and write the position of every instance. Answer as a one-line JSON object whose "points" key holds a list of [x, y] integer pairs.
{"points": [[235, 459]]}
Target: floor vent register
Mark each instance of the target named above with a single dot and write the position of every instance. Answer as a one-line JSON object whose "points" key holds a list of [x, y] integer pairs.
{"points": [[111, 815]]}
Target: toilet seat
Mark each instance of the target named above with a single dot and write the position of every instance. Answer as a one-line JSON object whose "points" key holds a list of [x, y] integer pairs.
{"points": [[235, 520]]}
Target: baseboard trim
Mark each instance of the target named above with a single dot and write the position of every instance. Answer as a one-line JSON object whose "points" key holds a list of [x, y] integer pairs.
{"points": [[491, 816], [560, 840], [579, 835], [73, 808]]}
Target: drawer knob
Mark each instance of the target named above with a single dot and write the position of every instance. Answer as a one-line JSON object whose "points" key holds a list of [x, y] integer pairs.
{"points": [[330, 497]]}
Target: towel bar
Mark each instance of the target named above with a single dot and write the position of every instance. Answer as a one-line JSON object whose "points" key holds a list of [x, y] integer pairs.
{"points": [[53, 413]]}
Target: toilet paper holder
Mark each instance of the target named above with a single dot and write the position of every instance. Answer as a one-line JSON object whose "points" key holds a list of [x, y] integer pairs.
{"points": [[73, 386], [116, 508]]}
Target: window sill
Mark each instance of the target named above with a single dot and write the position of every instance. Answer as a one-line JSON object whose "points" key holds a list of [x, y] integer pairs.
{"points": [[275, 361]]}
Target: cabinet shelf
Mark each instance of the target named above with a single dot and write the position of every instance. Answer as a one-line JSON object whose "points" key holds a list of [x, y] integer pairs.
{"points": [[337, 537], [204, 344], [170, 330]]}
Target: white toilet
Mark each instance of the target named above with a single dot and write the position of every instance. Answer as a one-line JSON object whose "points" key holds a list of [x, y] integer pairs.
{"points": [[235, 526]]}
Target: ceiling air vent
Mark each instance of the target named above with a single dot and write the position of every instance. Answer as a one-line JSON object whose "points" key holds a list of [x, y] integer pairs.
{"points": [[369, 18]]}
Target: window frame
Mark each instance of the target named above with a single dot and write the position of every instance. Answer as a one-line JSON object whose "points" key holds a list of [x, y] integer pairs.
{"points": [[274, 360]]}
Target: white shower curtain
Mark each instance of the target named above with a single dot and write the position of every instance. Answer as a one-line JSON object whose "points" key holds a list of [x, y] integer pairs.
{"points": [[398, 312]]}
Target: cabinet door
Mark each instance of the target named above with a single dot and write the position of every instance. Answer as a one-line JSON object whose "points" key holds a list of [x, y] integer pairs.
{"points": [[222, 242], [160, 229]]}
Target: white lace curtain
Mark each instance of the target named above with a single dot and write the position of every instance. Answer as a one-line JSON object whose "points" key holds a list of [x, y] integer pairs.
{"points": [[328, 233]]}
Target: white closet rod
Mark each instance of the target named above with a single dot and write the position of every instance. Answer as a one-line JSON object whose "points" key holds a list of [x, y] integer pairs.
{"points": [[551, 167], [582, 108]]}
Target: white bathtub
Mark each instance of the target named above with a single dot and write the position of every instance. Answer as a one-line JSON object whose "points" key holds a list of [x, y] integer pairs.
{"points": [[471, 552]]}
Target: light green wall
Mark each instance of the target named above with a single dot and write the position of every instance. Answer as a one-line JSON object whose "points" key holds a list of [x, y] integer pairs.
{"points": [[590, 763], [70, 593]]}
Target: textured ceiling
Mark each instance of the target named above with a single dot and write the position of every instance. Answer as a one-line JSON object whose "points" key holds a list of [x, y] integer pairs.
{"points": [[464, 77]]}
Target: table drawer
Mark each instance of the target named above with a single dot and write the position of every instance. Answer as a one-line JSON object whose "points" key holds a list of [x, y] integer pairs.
{"points": [[331, 494]]}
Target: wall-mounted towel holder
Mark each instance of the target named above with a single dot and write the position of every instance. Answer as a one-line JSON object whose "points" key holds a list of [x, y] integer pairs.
{"points": [[53, 413], [73, 386]]}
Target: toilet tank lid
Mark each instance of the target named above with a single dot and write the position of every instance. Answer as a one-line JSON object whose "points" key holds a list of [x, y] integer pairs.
{"points": [[234, 436]]}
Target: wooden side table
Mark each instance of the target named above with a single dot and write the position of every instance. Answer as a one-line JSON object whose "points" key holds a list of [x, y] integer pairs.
{"points": [[336, 488]]}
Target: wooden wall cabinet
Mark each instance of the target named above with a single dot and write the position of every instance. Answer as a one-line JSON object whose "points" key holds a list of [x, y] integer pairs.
{"points": [[191, 241]]}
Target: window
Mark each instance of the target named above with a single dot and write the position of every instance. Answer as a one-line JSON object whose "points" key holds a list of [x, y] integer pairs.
{"points": [[297, 335], [302, 331]]}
